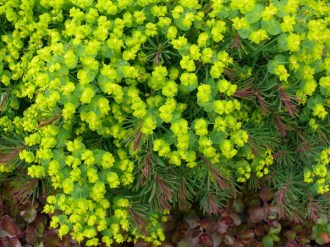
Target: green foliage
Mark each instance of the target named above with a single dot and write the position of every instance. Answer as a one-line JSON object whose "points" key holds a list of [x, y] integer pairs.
{"points": [[127, 109]]}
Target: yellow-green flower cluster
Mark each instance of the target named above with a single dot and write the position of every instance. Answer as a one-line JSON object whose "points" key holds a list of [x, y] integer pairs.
{"points": [[243, 171], [90, 87], [90, 174], [258, 36], [318, 175], [261, 163], [226, 87], [157, 235], [85, 217], [5, 167]]}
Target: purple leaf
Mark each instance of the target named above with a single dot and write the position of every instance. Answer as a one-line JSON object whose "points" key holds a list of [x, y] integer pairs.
{"points": [[245, 237], [178, 235], [31, 235], [229, 240], [196, 233], [257, 215], [51, 239], [205, 240], [294, 244], [266, 194], [236, 218], [8, 225], [216, 239], [260, 229], [238, 205], [192, 221], [222, 227], [207, 224], [238, 244], [227, 220], [184, 243]]}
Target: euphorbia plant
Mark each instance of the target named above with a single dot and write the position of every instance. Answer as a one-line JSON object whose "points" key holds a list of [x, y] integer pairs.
{"points": [[131, 108]]}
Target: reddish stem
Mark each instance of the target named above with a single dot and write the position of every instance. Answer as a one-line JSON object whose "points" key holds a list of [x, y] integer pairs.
{"points": [[214, 172], [286, 100], [165, 194], [137, 140], [7, 157], [3, 101], [245, 92], [49, 121], [261, 102], [279, 125]]}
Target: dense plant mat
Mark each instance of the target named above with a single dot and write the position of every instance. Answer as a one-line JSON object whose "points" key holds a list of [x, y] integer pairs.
{"points": [[248, 220], [117, 113]]}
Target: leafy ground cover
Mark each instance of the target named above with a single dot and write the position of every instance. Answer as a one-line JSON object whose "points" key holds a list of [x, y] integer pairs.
{"points": [[246, 221], [164, 122]]}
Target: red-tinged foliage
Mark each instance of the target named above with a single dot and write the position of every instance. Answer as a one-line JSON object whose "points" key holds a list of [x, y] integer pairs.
{"points": [[244, 222], [214, 173], [49, 121], [22, 221], [246, 92], [22, 189], [212, 206], [137, 141], [230, 73], [261, 101], [287, 102], [3, 101], [183, 203], [146, 168], [257, 215], [9, 226], [165, 193], [280, 126], [7, 157]]}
